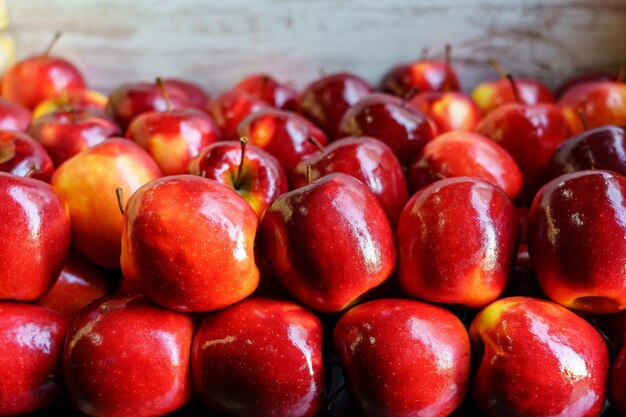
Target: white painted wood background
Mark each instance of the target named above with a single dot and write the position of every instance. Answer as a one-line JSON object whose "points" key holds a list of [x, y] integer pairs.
{"points": [[217, 42]]}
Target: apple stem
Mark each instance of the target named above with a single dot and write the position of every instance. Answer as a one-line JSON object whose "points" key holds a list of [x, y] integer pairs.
{"points": [[499, 68], [316, 142], [72, 110], [334, 395], [424, 54], [120, 202], [33, 170], [54, 40], [409, 95], [440, 176], [621, 75], [164, 92], [308, 174], [448, 65], [583, 119], [244, 142], [265, 79], [513, 87]]}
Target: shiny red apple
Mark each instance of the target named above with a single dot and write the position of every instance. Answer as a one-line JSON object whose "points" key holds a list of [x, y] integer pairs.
{"points": [[14, 116], [23, 156], [197, 97], [450, 110], [77, 100], [492, 94], [266, 88], [230, 108]]}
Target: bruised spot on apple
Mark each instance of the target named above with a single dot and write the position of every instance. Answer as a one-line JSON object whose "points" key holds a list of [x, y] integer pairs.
{"points": [[187, 244], [328, 242], [538, 359]]}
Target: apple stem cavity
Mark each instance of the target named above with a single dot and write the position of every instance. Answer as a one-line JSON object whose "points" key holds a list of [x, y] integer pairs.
{"points": [[498, 68], [33, 170], [583, 119], [54, 40], [513, 87], [333, 397], [244, 142], [164, 92], [316, 142], [120, 201]]}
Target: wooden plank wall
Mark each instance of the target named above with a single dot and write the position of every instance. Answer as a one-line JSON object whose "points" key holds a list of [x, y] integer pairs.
{"points": [[216, 42]]}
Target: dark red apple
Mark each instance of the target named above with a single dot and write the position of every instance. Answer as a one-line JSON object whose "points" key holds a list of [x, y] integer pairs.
{"points": [[325, 101], [66, 133], [266, 88], [458, 154], [582, 79], [396, 122], [31, 352], [492, 94], [14, 116], [197, 97], [23, 156], [230, 108], [284, 135], [187, 244], [253, 173], [328, 242], [366, 159], [600, 148], [538, 359], [449, 110], [576, 240], [127, 357], [261, 357], [457, 242], [35, 229], [403, 358]]}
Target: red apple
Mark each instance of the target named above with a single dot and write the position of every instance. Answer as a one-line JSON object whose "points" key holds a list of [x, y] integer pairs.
{"points": [[457, 154], [38, 78], [394, 121], [31, 346], [197, 97], [262, 358], [127, 357], [188, 243], [23, 156], [366, 159], [14, 116], [284, 135], [266, 88], [253, 173], [230, 108], [77, 100], [325, 101], [449, 110], [88, 182], [602, 103], [66, 133], [576, 240], [403, 358], [457, 241], [304, 234], [35, 229], [538, 359], [173, 138], [584, 78], [600, 148], [531, 135], [79, 283]]}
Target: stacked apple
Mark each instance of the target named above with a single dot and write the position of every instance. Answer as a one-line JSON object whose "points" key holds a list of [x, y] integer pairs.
{"points": [[250, 255]]}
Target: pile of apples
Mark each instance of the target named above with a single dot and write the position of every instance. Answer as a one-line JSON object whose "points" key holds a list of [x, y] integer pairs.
{"points": [[440, 253]]}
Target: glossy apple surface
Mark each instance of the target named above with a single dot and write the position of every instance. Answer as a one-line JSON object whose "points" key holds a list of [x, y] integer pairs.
{"points": [[366, 159], [14, 116], [582, 79], [79, 283], [88, 182], [325, 101], [31, 351], [173, 138], [304, 232], [538, 359], [262, 179], [261, 357], [230, 108], [424, 75], [21, 155], [77, 99], [602, 103], [404, 128], [403, 358], [36, 232], [492, 94], [457, 241], [188, 244], [125, 356], [600, 148], [449, 110], [576, 240], [284, 135], [66, 133], [531, 135], [458, 154], [266, 88], [197, 97]]}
